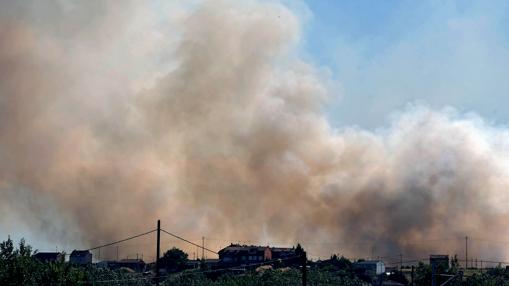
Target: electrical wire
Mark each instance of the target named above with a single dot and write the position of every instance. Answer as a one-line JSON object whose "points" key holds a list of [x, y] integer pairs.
{"points": [[122, 240], [181, 238]]}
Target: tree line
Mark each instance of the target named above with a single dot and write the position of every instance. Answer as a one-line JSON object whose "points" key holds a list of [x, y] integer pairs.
{"points": [[19, 267]]}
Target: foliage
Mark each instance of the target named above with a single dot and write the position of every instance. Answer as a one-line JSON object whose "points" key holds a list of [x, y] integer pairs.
{"points": [[174, 260], [266, 278], [487, 279], [18, 267], [422, 274], [399, 277]]}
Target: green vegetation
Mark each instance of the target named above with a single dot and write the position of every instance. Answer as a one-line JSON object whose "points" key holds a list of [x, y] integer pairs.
{"points": [[18, 267], [174, 260], [267, 278]]}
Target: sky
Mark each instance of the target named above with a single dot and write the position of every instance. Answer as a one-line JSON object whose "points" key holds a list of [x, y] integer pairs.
{"points": [[384, 55]]}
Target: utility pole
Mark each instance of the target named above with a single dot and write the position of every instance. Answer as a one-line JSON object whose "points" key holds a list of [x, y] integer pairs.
{"points": [[202, 247], [400, 262], [304, 261], [158, 250], [466, 252], [117, 253]]}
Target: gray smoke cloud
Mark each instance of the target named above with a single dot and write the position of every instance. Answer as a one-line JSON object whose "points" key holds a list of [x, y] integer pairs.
{"points": [[113, 116]]}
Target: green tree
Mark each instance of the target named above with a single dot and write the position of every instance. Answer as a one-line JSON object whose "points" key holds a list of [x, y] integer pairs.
{"points": [[423, 275], [174, 260], [19, 267]]}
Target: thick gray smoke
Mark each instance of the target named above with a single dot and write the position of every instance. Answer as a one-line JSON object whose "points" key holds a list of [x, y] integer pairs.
{"points": [[112, 117]]}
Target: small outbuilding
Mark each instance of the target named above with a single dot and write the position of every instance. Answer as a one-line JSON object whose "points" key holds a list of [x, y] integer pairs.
{"points": [[80, 257], [369, 267]]}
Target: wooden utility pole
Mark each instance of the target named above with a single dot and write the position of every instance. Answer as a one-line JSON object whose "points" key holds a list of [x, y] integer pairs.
{"points": [[304, 262], [203, 248], [158, 250], [466, 252]]}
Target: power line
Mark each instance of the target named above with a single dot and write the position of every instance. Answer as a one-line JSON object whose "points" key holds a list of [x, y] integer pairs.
{"points": [[181, 238], [122, 240]]}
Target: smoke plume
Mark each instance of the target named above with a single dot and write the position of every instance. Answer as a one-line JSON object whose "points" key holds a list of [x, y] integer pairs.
{"points": [[113, 116]]}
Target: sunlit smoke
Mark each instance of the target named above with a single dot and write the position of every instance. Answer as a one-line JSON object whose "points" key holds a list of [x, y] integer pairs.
{"points": [[206, 118]]}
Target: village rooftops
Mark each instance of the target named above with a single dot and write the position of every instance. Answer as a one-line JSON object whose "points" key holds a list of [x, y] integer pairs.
{"points": [[49, 256], [80, 253], [249, 254], [238, 247]]}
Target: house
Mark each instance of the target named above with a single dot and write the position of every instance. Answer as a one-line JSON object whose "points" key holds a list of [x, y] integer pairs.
{"points": [[283, 252], [80, 257], [50, 256], [369, 267], [244, 254], [441, 261], [236, 254]]}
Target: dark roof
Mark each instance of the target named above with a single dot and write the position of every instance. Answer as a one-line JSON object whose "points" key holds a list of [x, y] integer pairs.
{"points": [[237, 247], [132, 261], [241, 248], [80, 253], [47, 255], [276, 249], [439, 256], [367, 262]]}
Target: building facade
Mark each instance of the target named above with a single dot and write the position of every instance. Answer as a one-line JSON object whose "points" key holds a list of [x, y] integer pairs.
{"points": [[244, 254], [369, 267], [80, 257], [250, 254], [441, 261]]}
